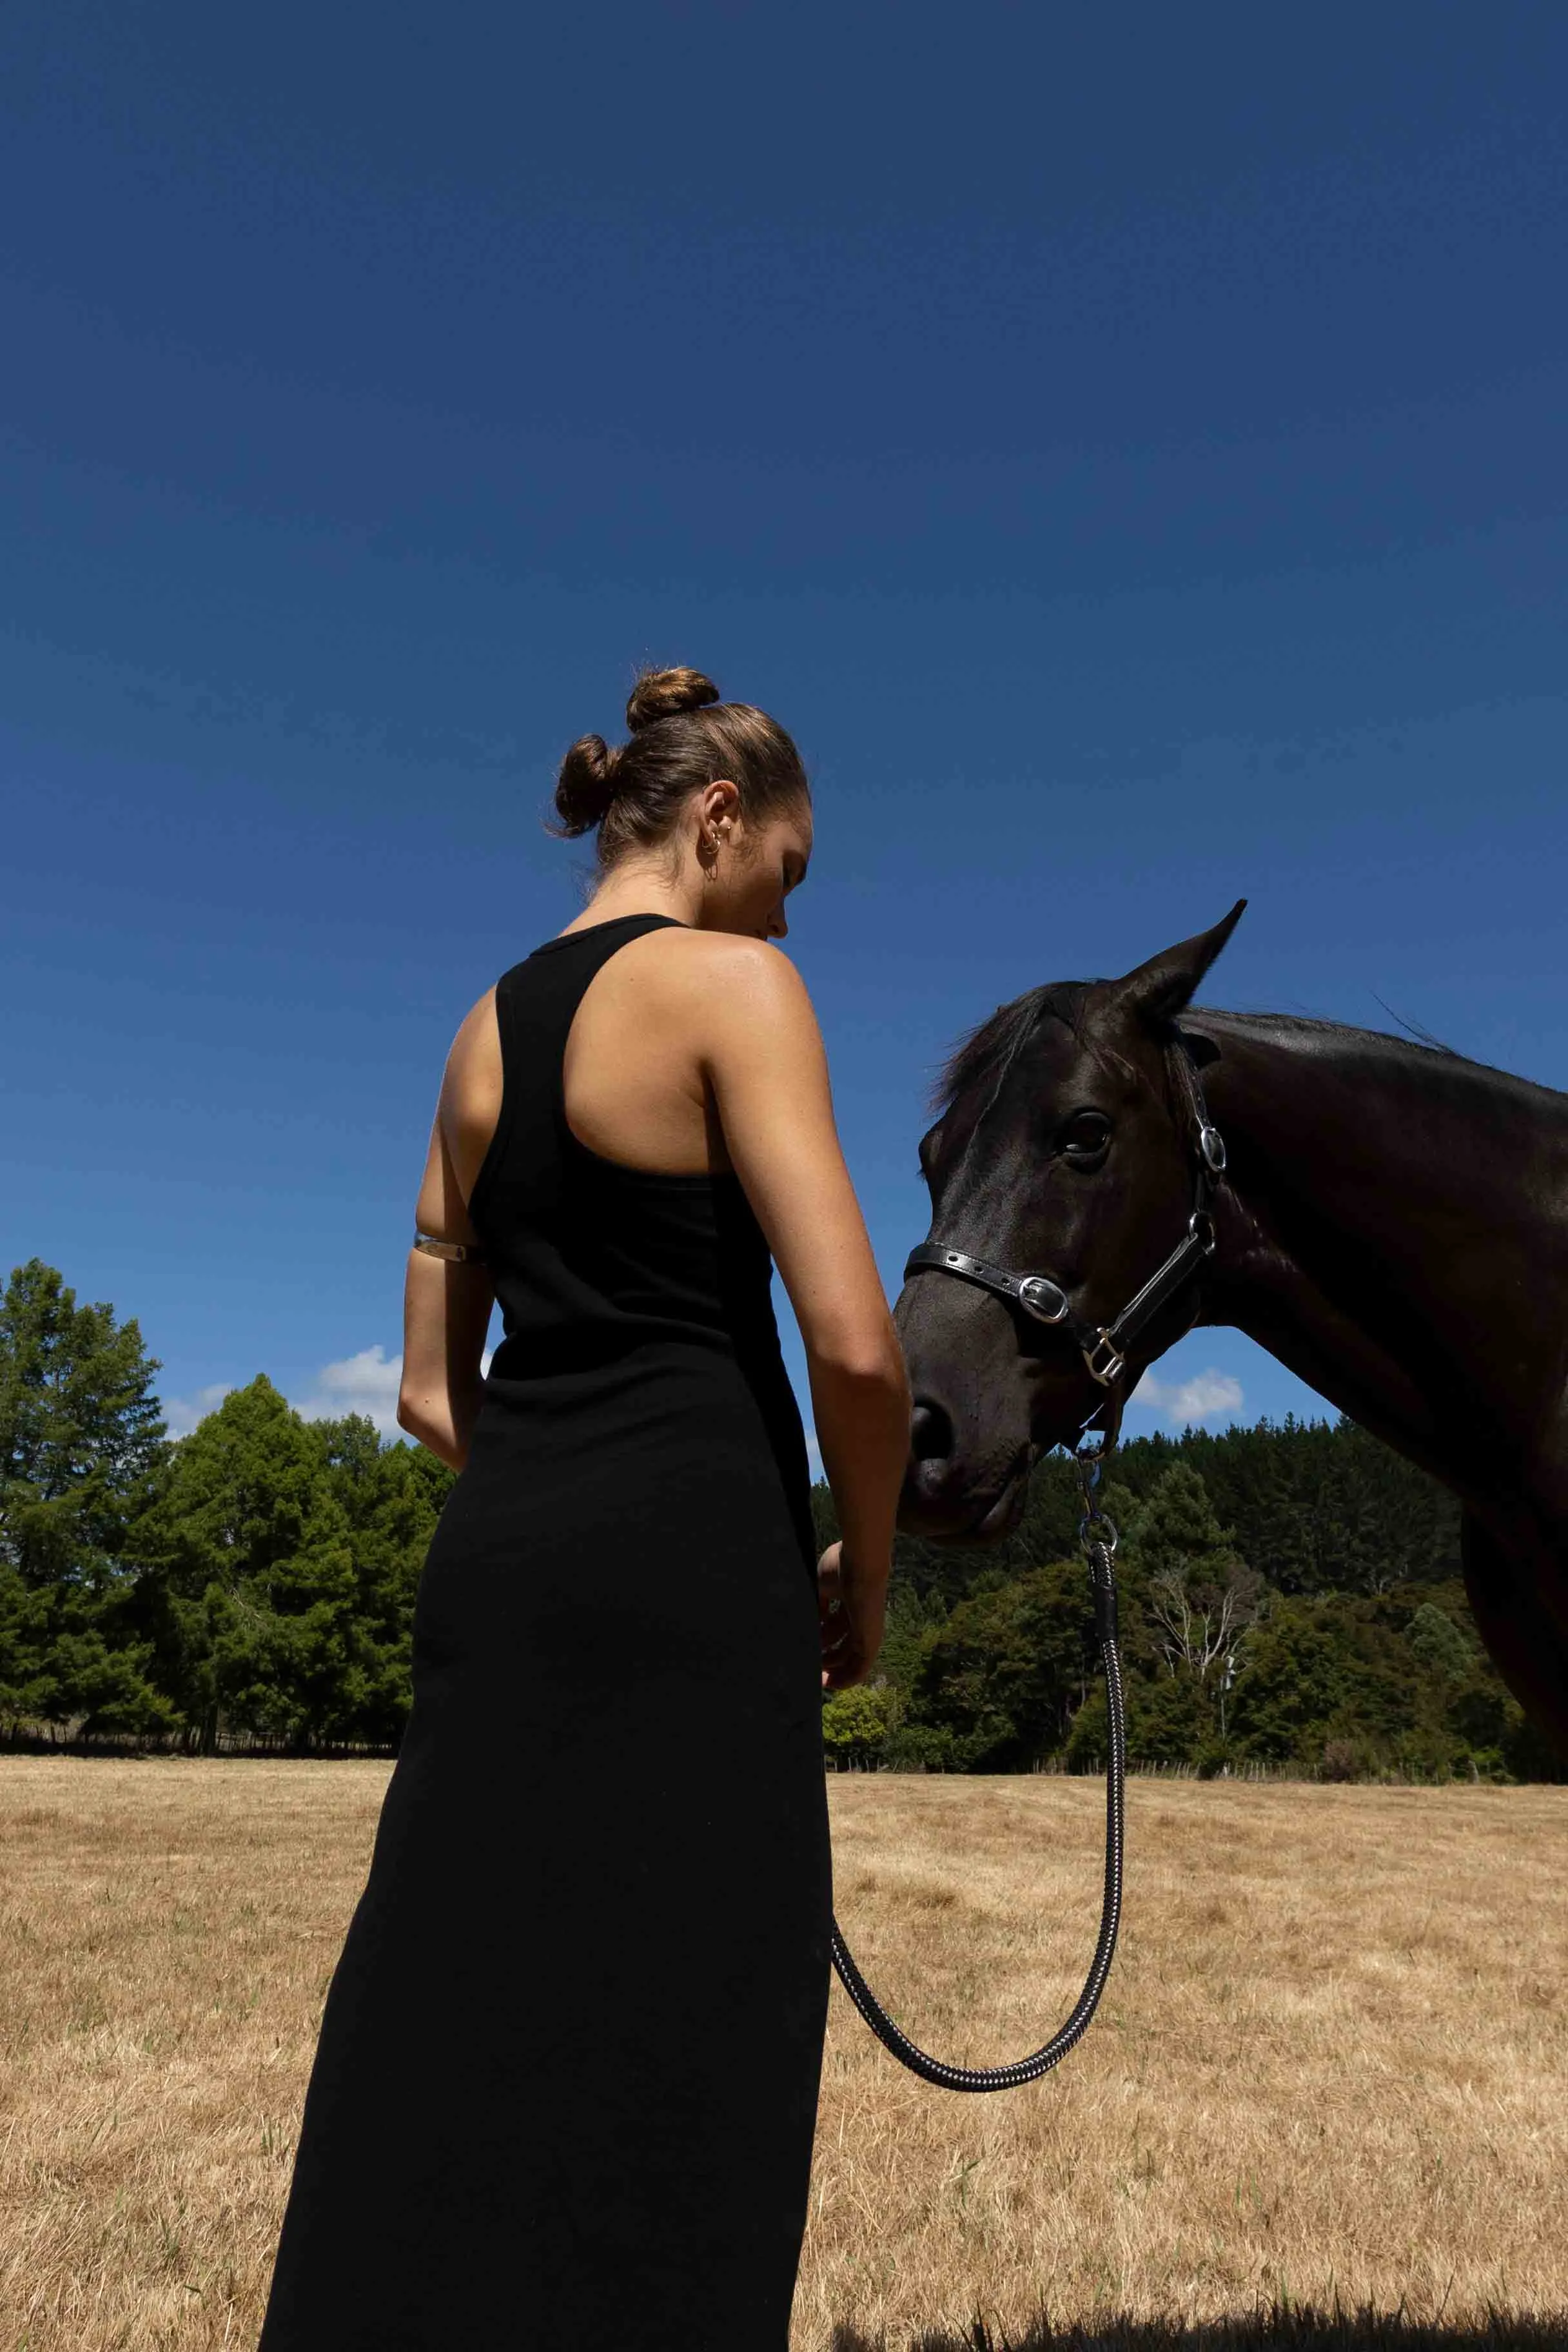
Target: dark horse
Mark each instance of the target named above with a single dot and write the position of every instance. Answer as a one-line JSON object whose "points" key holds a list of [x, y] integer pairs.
{"points": [[1391, 1222]]}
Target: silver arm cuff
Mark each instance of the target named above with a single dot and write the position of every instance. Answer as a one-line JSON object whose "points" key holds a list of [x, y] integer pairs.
{"points": [[456, 1251]]}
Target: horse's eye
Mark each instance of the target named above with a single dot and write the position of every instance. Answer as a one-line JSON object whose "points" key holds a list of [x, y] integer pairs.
{"points": [[1083, 1140]]}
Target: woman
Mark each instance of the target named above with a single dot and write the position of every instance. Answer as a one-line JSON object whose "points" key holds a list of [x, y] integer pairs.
{"points": [[568, 2064]]}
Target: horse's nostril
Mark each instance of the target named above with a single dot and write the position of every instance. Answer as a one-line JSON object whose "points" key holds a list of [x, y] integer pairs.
{"points": [[931, 1432]]}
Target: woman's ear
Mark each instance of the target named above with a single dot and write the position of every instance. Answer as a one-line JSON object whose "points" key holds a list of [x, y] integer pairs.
{"points": [[720, 799]]}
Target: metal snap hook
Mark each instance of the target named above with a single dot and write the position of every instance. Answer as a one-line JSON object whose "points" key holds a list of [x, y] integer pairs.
{"points": [[1098, 1520]]}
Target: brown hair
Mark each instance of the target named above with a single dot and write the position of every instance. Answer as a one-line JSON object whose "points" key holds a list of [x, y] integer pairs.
{"points": [[682, 736]]}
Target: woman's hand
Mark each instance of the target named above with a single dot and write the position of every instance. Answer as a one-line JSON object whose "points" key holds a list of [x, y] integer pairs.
{"points": [[851, 1626]]}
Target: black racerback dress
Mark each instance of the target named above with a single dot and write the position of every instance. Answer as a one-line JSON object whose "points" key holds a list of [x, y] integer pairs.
{"points": [[566, 2077]]}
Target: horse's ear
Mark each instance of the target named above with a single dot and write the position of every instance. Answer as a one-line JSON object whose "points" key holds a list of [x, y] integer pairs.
{"points": [[1160, 988]]}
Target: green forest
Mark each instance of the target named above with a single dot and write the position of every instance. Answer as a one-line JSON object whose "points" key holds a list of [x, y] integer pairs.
{"points": [[1290, 1594]]}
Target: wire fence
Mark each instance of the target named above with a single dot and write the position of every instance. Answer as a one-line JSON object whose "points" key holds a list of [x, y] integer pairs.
{"points": [[21, 1738], [1093, 1768]]}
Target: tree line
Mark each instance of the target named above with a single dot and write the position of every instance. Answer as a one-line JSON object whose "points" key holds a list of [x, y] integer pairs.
{"points": [[1290, 1594]]}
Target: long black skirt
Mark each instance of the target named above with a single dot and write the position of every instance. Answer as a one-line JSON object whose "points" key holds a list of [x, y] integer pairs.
{"points": [[567, 2074]]}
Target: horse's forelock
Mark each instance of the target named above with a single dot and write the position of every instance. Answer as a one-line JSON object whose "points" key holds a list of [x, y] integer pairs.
{"points": [[986, 1051]]}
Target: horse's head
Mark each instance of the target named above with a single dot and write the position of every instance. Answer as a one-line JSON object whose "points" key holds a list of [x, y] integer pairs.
{"points": [[1064, 1149]]}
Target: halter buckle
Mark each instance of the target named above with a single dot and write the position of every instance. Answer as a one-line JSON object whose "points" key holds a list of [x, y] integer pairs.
{"points": [[1211, 1144], [1046, 1300], [1200, 1225], [1104, 1363]]}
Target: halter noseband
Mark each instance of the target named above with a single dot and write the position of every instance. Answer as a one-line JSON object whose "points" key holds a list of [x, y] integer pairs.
{"points": [[1103, 1345]]}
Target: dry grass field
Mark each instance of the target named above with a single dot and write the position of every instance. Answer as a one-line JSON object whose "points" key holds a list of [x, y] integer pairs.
{"points": [[1331, 2069]]}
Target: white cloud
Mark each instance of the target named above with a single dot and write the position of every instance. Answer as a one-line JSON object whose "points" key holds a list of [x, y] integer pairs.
{"points": [[181, 1414], [366, 1384], [814, 1455], [1208, 1395]]}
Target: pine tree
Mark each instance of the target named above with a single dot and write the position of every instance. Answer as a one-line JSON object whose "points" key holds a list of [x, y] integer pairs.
{"points": [[251, 1581], [82, 1454], [390, 1496]]}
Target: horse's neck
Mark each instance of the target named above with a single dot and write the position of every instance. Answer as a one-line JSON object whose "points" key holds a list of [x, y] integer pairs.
{"points": [[1394, 1227]]}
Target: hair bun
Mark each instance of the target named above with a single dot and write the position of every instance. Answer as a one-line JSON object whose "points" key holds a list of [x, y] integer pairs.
{"points": [[661, 693], [587, 783]]}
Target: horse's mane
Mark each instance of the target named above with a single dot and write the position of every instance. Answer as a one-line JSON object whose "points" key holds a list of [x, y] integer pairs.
{"points": [[1299, 1022], [1414, 1051], [988, 1049]]}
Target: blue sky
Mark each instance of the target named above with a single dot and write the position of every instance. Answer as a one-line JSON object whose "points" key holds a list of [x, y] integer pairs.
{"points": [[1125, 446]]}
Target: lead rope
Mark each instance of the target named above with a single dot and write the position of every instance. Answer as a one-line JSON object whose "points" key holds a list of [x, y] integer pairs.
{"points": [[1097, 1534]]}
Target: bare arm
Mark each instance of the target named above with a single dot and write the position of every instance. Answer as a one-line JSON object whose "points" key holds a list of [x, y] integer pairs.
{"points": [[447, 1304], [762, 1052]]}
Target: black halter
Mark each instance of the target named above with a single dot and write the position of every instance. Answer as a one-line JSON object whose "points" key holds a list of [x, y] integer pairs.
{"points": [[1103, 1345]]}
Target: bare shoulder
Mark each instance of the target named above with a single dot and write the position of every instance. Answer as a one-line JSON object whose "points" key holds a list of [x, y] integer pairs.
{"points": [[472, 1081], [478, 1036], [467, 1108], [721, 970], [733, 992]]}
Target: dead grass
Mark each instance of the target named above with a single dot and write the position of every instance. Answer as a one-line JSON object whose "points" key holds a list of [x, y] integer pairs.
{"points": [[1330, 2068], [1330, 2072]]}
